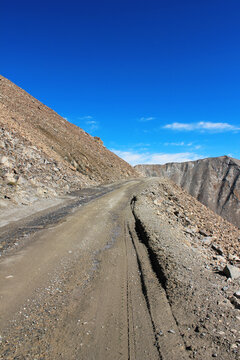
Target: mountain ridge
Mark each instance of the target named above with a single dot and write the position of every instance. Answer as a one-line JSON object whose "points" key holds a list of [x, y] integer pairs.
{"points": [[215, 182]]}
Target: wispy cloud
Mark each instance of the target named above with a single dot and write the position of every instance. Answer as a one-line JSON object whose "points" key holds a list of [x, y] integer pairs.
{"points": [[181, 143], [135, 158], [147, 118], [90, 123], [86, 117], [202, 126]]}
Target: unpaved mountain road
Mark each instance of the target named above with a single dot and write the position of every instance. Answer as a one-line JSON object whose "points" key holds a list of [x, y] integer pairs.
{"points": [[84, 288]]}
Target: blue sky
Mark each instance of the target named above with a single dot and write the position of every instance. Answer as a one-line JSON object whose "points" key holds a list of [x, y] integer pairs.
{"points": [[158, 81]]}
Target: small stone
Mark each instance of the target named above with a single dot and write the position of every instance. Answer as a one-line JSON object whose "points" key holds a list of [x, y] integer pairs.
{"points": [[235, 302], [171, 331], [4, 160], [237, 294], [204, 232], [217, 249], [207, 240], [233, 258], [214, 355], [225, 288], [231, 271]]}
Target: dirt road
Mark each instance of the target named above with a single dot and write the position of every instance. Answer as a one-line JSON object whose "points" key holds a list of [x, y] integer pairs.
{"points": [[84, 288]]}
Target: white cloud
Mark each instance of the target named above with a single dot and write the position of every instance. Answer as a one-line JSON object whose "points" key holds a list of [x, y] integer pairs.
{"points": [[148, 118], [178, 157], [135, 158], [202, 125], [86, 117], [181, 143], [130, 157], [90, 123]]}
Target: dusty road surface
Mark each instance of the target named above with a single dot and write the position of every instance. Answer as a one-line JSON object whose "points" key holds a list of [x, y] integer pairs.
{"points": [[84, 288]]}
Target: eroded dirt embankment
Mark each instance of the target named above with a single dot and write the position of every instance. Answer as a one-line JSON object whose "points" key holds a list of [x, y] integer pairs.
{"points": [[190, 274]]}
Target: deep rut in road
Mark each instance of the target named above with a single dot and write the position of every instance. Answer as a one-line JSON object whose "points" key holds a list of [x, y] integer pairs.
{"points": [[165, 334]]}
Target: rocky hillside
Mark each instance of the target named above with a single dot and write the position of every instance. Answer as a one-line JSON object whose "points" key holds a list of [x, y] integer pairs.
{"points": [[43, 154], [215, 182]]}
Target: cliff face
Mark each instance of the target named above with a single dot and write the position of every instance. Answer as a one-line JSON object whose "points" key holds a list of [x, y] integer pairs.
{"points": [[43, 154], [215, 182]]}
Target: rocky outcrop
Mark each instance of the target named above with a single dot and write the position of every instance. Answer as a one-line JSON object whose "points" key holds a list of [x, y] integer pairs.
{"points": [[42, 154], [215, 182]]}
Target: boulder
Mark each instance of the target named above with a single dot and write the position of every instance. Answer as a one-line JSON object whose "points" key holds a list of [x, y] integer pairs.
{"points": [[231, 271]]}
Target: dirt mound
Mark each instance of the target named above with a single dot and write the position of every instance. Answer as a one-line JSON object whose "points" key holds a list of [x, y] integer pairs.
{"points": [[43, 154], [215, 182]]}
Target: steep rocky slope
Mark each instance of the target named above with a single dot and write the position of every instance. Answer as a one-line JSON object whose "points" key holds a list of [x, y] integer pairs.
{"points": [[42, 154], [215, 182]]}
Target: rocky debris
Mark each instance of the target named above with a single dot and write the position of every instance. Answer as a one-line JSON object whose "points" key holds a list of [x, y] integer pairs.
{"points": [[202, 226], [237, 294], [27, 173], [215, 182], [235, 302], [217, 249], [231, 271], [43, 155], [207, 240], [191, 269]]}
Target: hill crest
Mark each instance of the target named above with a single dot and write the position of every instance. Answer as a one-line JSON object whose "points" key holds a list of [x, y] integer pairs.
{"points": [[42, 150]]}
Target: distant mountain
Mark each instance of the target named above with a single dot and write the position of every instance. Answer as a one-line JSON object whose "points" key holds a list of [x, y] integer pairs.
{"points": [[43, 154], [215, 182]]}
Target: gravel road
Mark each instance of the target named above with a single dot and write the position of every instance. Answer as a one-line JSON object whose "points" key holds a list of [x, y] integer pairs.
{"points": [[84, 286]]}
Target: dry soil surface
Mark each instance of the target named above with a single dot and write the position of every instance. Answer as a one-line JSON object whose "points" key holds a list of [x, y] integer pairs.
{"points": [[91, 284]]}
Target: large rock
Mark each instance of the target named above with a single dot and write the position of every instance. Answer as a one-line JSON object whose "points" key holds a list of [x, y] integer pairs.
{"points": [[231, 271]]}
